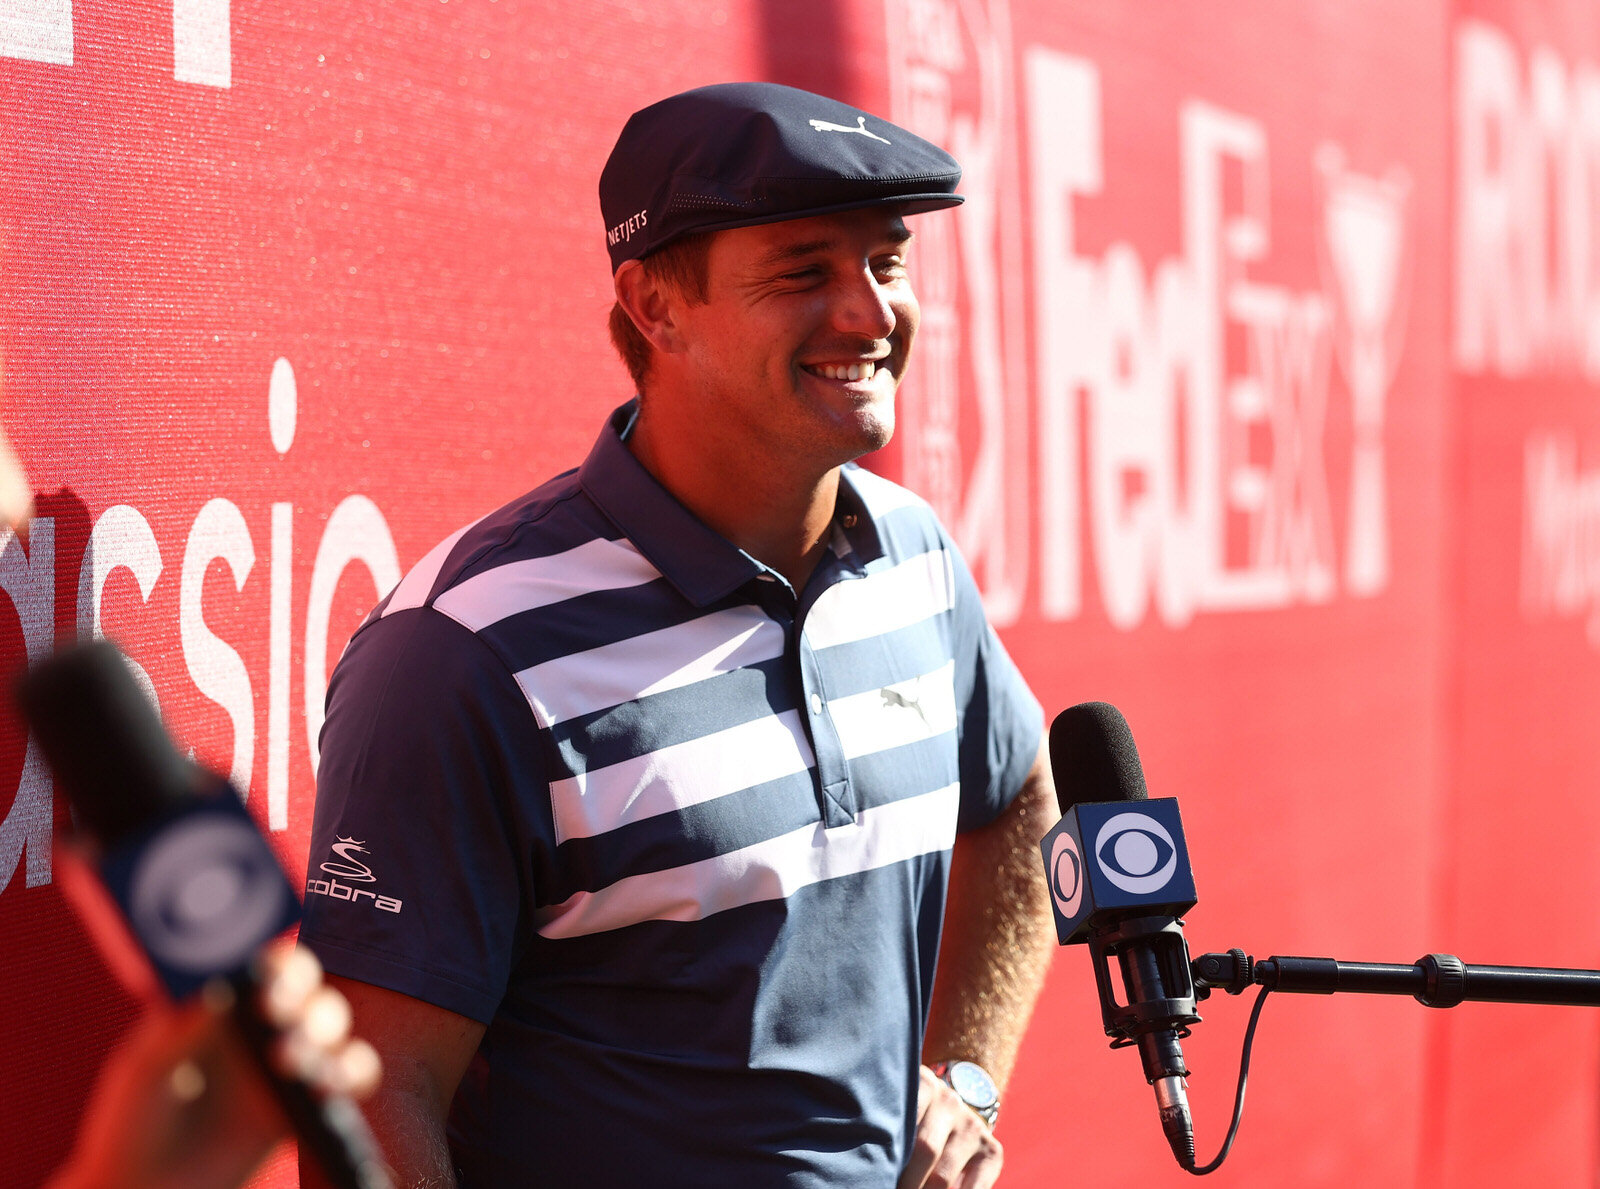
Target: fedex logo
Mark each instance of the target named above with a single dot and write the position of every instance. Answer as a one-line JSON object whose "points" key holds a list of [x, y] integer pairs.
{"points": [[202, 43], [1183, 401]]}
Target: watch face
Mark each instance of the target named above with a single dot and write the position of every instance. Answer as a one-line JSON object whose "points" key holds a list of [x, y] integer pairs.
{"points": [[974, 1086]]}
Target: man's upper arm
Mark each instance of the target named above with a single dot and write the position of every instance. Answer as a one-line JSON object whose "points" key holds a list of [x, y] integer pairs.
{"points": [[425, 1049], [427, 828], [999, 932], [419, 873]]}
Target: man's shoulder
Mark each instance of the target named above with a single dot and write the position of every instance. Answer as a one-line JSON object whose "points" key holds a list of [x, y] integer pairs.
{"points": [[542, 531]]}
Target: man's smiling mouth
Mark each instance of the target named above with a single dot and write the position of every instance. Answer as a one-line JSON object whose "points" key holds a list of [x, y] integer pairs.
{"points": [[860, 370]]}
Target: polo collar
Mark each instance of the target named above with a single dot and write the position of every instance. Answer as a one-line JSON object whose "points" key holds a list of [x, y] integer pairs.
{"points": [[700, 562], [854, 519]]}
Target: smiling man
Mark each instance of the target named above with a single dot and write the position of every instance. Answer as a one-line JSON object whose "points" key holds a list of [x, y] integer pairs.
{"points": [[701, 798]]}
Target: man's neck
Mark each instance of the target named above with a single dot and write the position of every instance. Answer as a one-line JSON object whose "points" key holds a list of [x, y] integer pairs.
{"points": [[774, 512]]}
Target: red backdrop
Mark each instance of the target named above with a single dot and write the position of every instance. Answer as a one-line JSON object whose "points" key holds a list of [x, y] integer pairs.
{"points": [[1257, 378]]}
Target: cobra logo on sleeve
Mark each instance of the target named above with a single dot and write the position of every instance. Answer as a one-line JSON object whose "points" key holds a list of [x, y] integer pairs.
{"points": [[353, 871]]}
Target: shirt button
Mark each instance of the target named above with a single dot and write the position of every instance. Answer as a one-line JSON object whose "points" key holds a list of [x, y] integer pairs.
{"points": [[848, 520], [816, 703]]}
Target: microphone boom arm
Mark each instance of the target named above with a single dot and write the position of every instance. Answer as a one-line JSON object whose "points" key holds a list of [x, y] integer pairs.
{"points": [[1434, 980]]}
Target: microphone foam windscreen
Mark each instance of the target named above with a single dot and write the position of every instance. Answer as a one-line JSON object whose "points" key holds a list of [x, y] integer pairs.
{"points": [[1092, 756], [110, 753]]}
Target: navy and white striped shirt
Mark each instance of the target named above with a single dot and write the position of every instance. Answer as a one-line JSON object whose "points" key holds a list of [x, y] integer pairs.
{"points": [[597, 778]]}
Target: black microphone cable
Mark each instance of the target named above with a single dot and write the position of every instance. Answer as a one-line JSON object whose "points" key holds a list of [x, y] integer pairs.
{"points": [[1238, 1096]]}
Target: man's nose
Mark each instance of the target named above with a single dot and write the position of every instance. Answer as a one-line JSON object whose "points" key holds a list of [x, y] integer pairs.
{"points": [[865, 307]]}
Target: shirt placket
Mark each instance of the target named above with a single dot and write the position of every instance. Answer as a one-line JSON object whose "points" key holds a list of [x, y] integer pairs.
{"points": [[836, 801]]}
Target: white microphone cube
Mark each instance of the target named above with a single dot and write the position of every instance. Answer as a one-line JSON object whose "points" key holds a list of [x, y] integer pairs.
{"points": [[1122, 858]]}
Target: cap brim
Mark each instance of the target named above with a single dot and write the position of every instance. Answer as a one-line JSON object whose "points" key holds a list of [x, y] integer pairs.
{"points": [[911, 204]]}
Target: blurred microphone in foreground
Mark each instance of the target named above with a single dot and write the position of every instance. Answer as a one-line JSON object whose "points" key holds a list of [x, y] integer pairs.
{"points": [[257, 1045]]}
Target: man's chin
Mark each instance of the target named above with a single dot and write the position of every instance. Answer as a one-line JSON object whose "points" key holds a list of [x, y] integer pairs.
{"points": [[852, 423], [882, 430], [873, 430]]}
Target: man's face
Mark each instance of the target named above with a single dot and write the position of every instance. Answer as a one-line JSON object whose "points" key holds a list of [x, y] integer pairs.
{"points": [[804, 335]]}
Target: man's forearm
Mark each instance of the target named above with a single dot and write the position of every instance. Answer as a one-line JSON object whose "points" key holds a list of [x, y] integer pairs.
{"points": [[998, 936]]}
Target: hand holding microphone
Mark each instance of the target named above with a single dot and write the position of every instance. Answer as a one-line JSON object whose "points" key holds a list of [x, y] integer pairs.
{"points": [[180, 1105], [202, 895]]}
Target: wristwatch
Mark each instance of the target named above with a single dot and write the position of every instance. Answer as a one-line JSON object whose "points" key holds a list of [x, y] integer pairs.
{"points": [[973, 1086]]}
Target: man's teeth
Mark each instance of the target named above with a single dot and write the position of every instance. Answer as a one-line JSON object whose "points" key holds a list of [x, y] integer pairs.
{"points": [[846, 371]]}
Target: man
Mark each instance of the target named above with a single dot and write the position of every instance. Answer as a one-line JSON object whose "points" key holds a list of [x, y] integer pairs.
{"points": [[638, 798]]}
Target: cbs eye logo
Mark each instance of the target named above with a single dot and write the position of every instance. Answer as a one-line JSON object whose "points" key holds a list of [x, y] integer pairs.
{"points": [[1136, 853], [1066, 875], [205, 894]]}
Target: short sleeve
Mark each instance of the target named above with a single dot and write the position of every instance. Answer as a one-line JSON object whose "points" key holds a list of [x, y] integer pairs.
{"points": [[1000, 722], [419, 872]]}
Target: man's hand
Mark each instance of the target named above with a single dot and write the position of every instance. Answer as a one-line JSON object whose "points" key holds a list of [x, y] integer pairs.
{"points": [[953, 1148]]}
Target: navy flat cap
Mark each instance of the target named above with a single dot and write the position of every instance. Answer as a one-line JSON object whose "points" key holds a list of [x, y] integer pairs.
{"points": [[738, 154]]}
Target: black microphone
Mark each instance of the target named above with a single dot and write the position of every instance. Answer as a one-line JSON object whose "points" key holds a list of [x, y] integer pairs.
{"points": [[1120, 879], [198, 885]]}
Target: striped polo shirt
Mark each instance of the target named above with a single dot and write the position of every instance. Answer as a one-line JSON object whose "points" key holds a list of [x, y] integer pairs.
{"points": [[597, 778]]}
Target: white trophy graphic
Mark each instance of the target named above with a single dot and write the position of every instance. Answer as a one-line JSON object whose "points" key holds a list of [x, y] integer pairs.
{"points": [[1363, 246]]}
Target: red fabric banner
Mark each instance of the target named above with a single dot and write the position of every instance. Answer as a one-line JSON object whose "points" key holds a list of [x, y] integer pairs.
{"points": [[1256, 379]]}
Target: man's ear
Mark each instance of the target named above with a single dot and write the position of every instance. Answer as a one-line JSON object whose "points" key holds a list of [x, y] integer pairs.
{"points": [[651, 304]]}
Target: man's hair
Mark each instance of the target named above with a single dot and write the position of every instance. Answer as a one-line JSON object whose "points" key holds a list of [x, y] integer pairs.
{"points": [[684, 264]]}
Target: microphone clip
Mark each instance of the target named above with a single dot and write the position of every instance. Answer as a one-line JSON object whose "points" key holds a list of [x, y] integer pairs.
{"points": [[1233, 972], [1153, 958]]}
